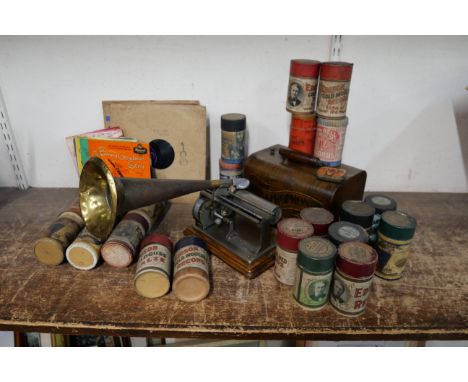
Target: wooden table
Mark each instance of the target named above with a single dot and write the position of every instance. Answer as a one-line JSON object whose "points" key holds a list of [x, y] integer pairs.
{"points": [[430, 302]]}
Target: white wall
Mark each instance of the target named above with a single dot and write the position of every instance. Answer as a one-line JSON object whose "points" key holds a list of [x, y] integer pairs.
{"points": [[403, 128]]}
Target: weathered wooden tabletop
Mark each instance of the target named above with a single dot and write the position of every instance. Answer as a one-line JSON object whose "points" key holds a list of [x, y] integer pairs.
{"points": [[430, 302]]}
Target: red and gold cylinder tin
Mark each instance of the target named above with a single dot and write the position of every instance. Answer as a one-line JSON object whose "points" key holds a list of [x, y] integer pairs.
{"points": [[396, 231], [355, 266], [329, 140], [358, 212], [289, 232], [335, 79], [315, 262], [154, 268], [122, 245], [84, 252], [302, 88], [191, 269], [50, 250], [302, 133], [320, 218]]}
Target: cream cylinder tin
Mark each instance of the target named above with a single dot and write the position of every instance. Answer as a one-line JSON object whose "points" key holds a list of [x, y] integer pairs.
{"points": [[84, 252]]}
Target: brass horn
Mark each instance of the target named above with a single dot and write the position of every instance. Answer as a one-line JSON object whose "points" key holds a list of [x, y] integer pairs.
{"points": [[103, 197]]}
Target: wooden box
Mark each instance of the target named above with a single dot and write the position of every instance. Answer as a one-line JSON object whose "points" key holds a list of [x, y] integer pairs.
{"points": [[294, 186]]}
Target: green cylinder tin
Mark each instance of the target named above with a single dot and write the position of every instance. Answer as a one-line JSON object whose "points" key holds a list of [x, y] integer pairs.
{"points": [[397, 225], [316, 255]]}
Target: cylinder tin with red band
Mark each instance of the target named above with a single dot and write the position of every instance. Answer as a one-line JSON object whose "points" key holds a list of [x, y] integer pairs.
{"points": [[355, 266], [291, 231], [225, 166], [302, 133], [320, 218], [335, 79], [302, 88], [329, 140]]}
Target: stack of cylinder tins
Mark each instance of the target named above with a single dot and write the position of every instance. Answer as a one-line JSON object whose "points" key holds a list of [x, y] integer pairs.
{"points": [[335, 261], [319, 131], [231, 163]]}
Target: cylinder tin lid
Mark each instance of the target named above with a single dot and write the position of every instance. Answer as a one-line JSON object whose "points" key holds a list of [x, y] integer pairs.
{"points": [[49, 251], [303, 117], [343, 231], [305, 68], [316, 254], [117, 254], [156, 238], [290, 231], [358, 212], [190, 240], [397, 225], [356, 259], [317, 215], [336, 70], [233, 122], [342, 122], [381, 202], [82, 255]]}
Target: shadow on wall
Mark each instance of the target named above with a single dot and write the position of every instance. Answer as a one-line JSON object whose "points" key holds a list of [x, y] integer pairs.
{"points": [[425, 156], [460, 109]]}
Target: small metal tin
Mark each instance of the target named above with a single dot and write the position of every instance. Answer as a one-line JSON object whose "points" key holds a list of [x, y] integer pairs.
{"points": [[331, 174], [153, 271], [315, 262], [233, 127], [334, 84], [342, 232], [191, 269], [320, 218], [396, 231], [381, 203], [355, 266], [302, 88], [358, 212], [329, 141], [302, 133]]}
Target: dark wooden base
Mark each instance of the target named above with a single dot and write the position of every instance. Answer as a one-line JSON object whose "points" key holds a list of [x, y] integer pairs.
{"points": [[251, 270]]}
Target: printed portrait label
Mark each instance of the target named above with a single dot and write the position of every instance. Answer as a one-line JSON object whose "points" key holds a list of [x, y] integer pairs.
{"points": [[301, 94], [349, 296], [311, 290]]}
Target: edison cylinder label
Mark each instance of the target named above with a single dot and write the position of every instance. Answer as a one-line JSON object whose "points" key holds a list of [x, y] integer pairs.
{"points": [[154, 257], [285, 266], [329, 142], [301, 94], [232, 148], [333, 98], [191, 256], [311, 290], [349, 296], [393, 255]]}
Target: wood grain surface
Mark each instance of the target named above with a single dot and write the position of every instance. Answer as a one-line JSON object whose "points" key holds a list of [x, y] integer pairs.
{"points": [[429, 302]]}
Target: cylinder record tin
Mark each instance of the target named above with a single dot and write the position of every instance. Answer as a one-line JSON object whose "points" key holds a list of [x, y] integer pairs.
{"points": [[334, 84], [191, 269], [358, 212], [292, 230], [320, 218], [84, 252], [233, 137], [381, 203], [355, 266], [224, 166], [342, 232], [329, 140], [315, 262], [302, 133], [396, 231], [153, 270], [285, 266], [302, 87]]}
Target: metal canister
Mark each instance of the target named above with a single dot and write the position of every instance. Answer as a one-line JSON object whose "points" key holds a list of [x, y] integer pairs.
{"points": [[230, 170], [355, 266], [342, 232], [289, 232], [302, 133], [302, 88], [381, 203], [122, 244], [358, 212], [50, 250], [153, 271], [315, 262], [329, 140], [320, 218], [233, 127], [335, 79], [191, 269], [84, 252], [396, 231]]}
